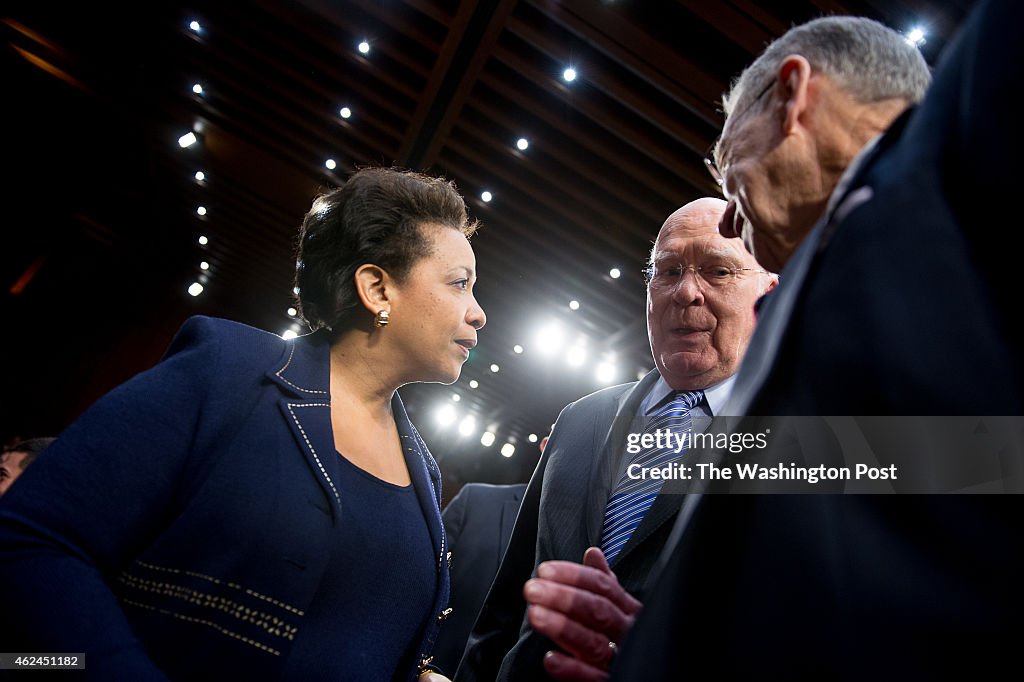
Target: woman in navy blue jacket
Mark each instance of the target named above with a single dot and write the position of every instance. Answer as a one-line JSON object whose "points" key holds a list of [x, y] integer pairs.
{"points": [[254, 508]]}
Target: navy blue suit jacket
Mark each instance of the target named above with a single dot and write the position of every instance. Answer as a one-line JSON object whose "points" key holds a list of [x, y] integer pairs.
{"points": [[478, 522], [179, 529], [904, 309]]}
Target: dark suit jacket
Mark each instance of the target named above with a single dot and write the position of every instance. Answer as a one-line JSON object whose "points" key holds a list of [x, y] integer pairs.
{"points": [[179, 529], [478, 522], [900, 311], [561, 516]]}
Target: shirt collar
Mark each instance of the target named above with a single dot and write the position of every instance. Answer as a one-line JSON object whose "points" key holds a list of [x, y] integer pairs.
{"points": [[715, 396]]}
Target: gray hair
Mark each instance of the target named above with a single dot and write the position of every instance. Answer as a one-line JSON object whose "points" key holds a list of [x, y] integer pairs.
{"points": [[867, 59]]}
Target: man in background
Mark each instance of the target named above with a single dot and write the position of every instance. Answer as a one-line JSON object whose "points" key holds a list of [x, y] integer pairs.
{"points": [[16, 458]]}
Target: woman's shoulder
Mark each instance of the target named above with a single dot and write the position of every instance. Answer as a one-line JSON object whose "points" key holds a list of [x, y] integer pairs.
{"points": [[240, 342]]}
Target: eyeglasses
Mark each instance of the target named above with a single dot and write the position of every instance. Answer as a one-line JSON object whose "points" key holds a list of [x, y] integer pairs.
{"points": [[709, 161], [712, 274]]}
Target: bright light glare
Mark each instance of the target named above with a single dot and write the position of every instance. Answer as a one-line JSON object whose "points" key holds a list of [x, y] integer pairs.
{"points": [[345, 112], [606, 373], [331, 164], [456, 397], [574, 305], [517, 348], [203, 241], [495, 368], [445, 416], [522, 143], [195, 288], [569, 74], [487, 440], [187, 140], [194, 25], [201, 210], [289, 334], [474, 383], [197, 88], [550, 338], [615, 273], [467, 426], [576, 356], [200, 176], [486, 196], [507, 450], [916, 37], [364, 47], [532, 438], [203, 265]]}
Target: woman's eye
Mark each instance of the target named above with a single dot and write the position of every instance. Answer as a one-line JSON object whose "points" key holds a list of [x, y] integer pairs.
{"points": [[461, 283]]}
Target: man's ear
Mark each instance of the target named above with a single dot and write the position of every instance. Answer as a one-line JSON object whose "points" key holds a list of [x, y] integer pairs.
{"points": [[795, 77], [373, 286]]}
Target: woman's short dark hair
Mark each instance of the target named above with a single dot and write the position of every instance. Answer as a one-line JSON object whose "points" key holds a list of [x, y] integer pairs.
{"points": [[375, 217], [30, 448]]}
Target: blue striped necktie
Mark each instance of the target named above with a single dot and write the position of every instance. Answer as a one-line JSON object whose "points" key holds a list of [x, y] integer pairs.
{"points": [[631, 498]]}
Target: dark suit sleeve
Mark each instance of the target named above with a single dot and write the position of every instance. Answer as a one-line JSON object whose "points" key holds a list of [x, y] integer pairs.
{"points": [[454, 517], [497, 627], [89, 502]]}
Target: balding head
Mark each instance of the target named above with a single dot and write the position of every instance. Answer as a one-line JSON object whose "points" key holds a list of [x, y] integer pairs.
{"points": [[700, 299]]}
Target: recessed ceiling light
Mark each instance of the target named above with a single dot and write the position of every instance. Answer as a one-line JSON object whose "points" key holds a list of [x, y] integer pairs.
{"points": [[569, 74], [345, 112], [331, 164], [486, 196], [195, 288], [522, 143], [364, 47], [615, 273]]}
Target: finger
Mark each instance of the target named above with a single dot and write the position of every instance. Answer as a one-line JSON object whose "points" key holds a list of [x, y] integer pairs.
{"points": [[591, 579], [594, 558], [569, 669], [583, 643], [592, 611]]}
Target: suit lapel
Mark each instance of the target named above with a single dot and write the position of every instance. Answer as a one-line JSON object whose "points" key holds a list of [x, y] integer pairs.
{"points": [[619, 416], [303, 374]]}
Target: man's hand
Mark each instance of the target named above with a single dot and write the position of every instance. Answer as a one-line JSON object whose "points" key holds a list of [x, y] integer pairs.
{"points": [[584, 610]]}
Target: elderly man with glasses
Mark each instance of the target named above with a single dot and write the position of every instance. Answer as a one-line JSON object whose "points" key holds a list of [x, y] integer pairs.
{"points": [[884, 209], [589, 498]]}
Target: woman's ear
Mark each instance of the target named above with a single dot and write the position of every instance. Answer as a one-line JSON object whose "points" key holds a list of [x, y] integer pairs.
{"points": [[373, 285], [795, 77]]}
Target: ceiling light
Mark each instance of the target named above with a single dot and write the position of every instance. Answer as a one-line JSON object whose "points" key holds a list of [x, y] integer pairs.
{"points": [[195, 288], [292, 312], [445, 416], [522, 143], [456, 397], [574, 305], [606, 373], [517, 348], [331, 164], [194, 25], [289, 334], [200, 176], [487, 440], [569, 74], [507, 450], [204, 266], [576, 356], [364, 47], [915, 37], [473, 383], [197, 88], [615, 273], [486, 196], [187, 140], [549, 338], [467, 426], [203, 241], [532, 438], [201, 210], [345, 112], [495, 368]]}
